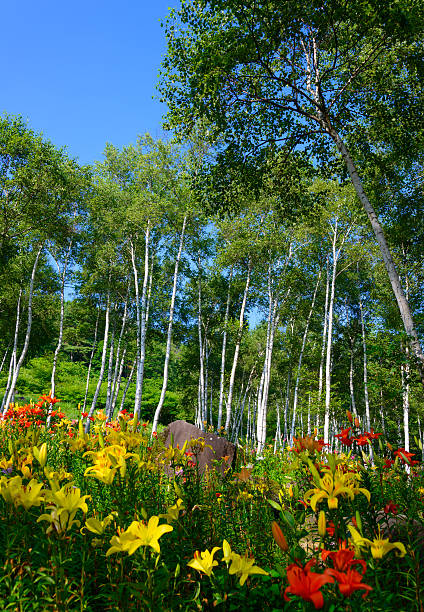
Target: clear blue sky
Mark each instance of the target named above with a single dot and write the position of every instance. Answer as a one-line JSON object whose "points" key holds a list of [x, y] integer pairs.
{"points": [[83, 73]]}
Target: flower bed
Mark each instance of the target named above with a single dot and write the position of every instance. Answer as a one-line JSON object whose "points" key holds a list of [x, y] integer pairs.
{"points": [[94, 522]]}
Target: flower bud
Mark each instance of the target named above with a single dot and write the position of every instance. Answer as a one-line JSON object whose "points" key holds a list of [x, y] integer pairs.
{"points": [[322, 524], [349, 416], [356, 422], [279, 536]]}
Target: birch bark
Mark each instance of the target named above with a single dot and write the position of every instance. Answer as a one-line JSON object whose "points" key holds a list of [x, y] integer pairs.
{"points": [[237, 348], [169, 335], [11, 390]]}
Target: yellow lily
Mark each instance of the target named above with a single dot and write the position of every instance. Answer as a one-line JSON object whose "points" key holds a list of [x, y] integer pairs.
{"points": [[96, 526], [379, 546], [40, 454], [139, 534], [173, 512], [204, 561], [329, 488], [14, 492], [243, 567]]}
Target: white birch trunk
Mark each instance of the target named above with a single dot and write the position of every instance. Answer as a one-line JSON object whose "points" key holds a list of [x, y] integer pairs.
{"points": [[141, 319], [62, 316], [91, 359], [224, 347], [13, 357], [403, 304], [330, 336], [299, 365], [364, 346], [237, 349], [169, 336], [102, 365], [109, 370], [11, 390], [118, 362], [127, 386]]}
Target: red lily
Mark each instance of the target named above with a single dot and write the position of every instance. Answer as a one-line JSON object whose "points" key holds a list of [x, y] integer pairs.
{"points": [[405, 457], [343, 559], [349, 582], [306, 584], [345, 437]]}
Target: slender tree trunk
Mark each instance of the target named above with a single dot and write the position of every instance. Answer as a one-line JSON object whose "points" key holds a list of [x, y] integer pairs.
{"points": [[118, 362], [91, 359], [102, 365], [324, 334], [299, 365], [237, 348], [352, 391], [405, 402], [12, 387], [117, 384], [13, 357], [141, 319], [62, 316], [201, 355], [169, 336], [127, 386], [364, 345], [330, 338], [263, 405], [224, 346], [110, 370], [403, 304], [4, 358]]}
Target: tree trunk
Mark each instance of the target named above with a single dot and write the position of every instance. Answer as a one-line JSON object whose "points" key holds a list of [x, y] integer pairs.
{"points": [[364, 345], [11, 389], [403, 304], [169, 336], [102, 366], [224, 346], [141, 319], [237, 349], [299, 365], [127, 386], [13, 357], [91, 359], [62, 316]]}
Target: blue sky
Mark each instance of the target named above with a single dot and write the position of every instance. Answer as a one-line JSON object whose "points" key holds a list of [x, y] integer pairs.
{"points": [[83, 73]]}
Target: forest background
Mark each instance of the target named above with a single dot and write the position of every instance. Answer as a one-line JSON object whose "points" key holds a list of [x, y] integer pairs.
{"points": [[223, 275]]}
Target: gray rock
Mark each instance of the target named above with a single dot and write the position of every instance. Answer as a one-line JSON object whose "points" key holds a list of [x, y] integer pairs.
{"points": [[215, 448]]}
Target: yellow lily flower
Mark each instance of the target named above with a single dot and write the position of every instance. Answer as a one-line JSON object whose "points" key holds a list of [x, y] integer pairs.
{"points": [[379, 546], [329, 488], [14, 492], [173, 512], [204, 561], [40, 454], [59, 519], [243, 567], [139, 534], [103, 473], [96, 526]]}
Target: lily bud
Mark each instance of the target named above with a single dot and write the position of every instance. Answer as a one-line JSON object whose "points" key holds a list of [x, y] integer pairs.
{"points": [[356, 422], [349, 416], [41, 454], [322, 524], [279, 536], [358, 520]]}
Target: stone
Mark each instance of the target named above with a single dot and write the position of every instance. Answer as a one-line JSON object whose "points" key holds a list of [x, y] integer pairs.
{"points": [[215, 449]]}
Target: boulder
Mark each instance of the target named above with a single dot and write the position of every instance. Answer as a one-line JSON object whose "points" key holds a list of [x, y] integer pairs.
{"points": [[215, 448]]}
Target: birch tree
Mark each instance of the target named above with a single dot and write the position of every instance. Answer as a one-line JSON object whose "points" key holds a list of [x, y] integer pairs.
{"points": [[297, 74]]}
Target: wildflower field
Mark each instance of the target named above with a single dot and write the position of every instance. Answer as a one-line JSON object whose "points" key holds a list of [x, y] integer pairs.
{"points": [[114, 520]]}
